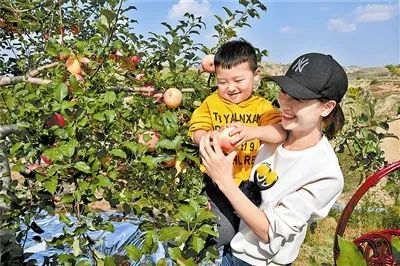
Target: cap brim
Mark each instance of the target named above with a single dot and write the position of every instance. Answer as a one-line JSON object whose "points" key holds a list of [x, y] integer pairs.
{"points": [[294, 88]]}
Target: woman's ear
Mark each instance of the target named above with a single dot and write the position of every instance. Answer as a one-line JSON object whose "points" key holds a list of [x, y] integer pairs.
{"points": [[328, 107]]}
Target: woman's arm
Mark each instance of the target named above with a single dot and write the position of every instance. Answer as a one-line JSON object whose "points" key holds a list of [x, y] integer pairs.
{"points": [[219, 168]]}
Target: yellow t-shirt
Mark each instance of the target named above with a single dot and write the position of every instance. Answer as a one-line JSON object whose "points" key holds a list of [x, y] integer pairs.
{"points": [[215, 112]]}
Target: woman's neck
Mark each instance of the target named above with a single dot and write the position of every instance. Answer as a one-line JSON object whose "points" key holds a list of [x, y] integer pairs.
{"points": [[297, 141]]}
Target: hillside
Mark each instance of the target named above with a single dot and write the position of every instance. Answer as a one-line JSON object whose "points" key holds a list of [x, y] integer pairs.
{"points": [[378, 79]]}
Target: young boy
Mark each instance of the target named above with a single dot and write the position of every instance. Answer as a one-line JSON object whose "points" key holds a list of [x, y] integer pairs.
{"points": [[254, 118]]}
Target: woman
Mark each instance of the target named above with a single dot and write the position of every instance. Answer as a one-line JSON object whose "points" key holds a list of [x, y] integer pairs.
{"points": [[299, 179]]}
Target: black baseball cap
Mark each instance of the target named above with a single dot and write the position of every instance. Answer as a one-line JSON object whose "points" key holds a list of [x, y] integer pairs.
{"points": [[314, 76]]}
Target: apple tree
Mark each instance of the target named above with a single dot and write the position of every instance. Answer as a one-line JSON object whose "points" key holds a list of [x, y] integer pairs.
{"points": [[88, 97]]}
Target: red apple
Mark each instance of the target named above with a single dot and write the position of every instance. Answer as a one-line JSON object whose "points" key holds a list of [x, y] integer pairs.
{"points": [[208, 63], [139, 76], [150, 139], [135, 59], [158, 97], [173, 97], [225, 140], [2, 23], [56, 119], [83, 60], [168, 163], [75, 30], [44, 160], [79, 77]]}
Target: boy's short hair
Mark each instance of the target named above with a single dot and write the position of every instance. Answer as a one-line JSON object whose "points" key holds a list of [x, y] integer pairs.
{"points": [[235, 52]]}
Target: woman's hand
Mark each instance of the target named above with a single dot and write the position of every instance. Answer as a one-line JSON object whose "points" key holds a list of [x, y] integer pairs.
{"points": [[219, 167]]}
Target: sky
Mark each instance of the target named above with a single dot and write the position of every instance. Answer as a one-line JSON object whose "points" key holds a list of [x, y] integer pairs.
{"points": [[354, 32]]}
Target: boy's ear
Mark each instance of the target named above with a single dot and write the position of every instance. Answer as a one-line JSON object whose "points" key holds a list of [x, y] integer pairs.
{"points": [[257, 75]]}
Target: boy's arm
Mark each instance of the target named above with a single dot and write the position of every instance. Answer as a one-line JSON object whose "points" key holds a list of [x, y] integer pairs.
{"points": [[273, 133], [198, 134], [200, 123]]}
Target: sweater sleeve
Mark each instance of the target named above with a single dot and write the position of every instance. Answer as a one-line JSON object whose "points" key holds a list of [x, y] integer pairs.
{"points": [[289, 217], [201, 119], [270, 116]]}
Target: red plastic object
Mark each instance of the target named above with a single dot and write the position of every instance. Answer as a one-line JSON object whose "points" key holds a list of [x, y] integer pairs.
{"points": [[375, 246]]}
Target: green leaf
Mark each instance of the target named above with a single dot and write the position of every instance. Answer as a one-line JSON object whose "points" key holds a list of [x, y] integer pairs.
{"points": [[208, 229], [99, 116], [54, 154], [110, 97], [83, 262], [60, 91], [118, 153], [51, 185], [109, 261], [162, 262], [110, 115], [68, 149], [197, 244], [109, 15], [349, 254], [228, 11], [395, 243], [204, 215], [63, 218], [186, 213], [175, 253], [150, 161], [82, 166], [76, 247], [67, 198], [133, 252], [179, 234]]}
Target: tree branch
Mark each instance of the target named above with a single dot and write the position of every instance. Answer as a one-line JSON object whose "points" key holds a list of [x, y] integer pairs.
{"points": [[148, 89], [30, 77]]}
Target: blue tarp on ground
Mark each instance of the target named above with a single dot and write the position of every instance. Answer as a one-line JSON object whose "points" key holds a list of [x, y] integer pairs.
{"points": [[126, 232]]}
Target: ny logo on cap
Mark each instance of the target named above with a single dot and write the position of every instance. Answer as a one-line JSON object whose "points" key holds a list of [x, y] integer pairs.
{"points": [[300, 64]]}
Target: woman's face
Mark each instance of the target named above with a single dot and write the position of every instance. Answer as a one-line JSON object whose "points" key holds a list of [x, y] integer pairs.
{"points": [[301, 115]]}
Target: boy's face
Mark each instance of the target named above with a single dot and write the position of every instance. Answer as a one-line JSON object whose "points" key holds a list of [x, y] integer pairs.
{"points": [[236, 84]]}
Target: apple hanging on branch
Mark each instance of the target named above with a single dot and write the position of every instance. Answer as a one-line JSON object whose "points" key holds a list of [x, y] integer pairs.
{"points": [[2, 23], [73, 65], [173, 97], [207, 64], [56, 119], [149, 138]]}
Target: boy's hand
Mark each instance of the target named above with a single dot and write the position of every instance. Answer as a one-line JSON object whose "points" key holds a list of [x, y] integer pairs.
{"points": [[242, 133]]}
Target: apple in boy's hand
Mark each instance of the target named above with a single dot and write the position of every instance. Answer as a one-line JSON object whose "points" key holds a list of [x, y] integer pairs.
{"points": [[225, 140], [208, 63]]}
